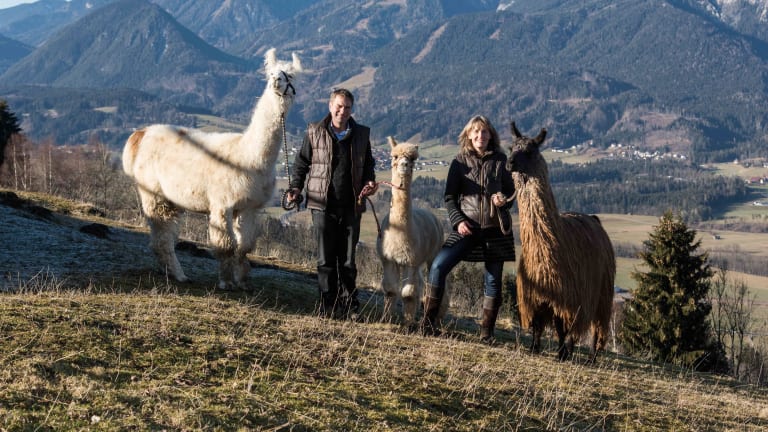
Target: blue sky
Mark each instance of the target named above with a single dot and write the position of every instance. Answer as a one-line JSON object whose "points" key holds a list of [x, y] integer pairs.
{"points": [[8, 3]]}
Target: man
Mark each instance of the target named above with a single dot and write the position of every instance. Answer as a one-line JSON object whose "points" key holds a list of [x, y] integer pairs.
{"points": [[336, 155]]}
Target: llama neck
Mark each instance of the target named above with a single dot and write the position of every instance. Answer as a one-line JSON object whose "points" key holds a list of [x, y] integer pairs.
{"points": [[261, 139], [399, 214], [539, 219]]}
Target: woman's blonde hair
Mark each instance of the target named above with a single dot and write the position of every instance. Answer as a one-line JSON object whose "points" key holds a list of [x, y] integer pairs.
{"points": [[465, 143]]}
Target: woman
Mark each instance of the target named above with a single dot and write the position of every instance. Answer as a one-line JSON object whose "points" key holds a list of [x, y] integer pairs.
{"points": [[478, 193]]}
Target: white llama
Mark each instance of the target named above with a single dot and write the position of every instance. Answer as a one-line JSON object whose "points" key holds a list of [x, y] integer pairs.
{"points": [[409, 238], [229, 176]]}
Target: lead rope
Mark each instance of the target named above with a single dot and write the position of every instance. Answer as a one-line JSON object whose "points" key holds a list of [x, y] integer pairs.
{"points": [[373, 209], [284, 202], [497, 211]]}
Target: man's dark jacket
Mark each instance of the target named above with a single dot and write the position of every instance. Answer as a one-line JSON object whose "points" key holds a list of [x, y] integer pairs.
{"points": [[336, 169]]}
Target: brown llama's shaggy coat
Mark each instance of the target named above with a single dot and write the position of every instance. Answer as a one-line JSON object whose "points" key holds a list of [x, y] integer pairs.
{"points": [[567, 267]]}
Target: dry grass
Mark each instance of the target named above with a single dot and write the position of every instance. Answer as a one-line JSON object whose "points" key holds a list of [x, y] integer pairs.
{"points": [[140, 354]]}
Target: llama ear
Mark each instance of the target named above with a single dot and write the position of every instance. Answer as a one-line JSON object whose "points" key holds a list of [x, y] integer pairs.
{"points": [[515, 132], [296, 63], [270, 58], [392, 142], [540, 137]]}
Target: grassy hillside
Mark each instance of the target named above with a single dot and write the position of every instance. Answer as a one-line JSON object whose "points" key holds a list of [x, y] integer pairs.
{"points": [[131, 350], [146, 355]]}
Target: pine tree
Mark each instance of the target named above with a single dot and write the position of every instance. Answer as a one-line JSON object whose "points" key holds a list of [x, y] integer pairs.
{"points": [[667, 318], [9, 125]]}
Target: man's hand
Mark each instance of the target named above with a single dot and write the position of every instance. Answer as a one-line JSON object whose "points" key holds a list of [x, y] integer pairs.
{"points": [[294, 194], [370, 188]]}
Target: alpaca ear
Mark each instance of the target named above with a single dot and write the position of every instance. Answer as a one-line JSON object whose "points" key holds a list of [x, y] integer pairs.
{"points": [[392, 142], [296, 63], [270, 58]]}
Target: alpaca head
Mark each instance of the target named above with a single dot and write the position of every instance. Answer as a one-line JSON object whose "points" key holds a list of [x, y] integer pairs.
{"points": [[404, 157], [525, 159], [280, 74]]}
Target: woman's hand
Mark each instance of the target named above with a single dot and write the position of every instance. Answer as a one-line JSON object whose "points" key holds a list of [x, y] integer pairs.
{"points": [[498, 199], [464, 228]]}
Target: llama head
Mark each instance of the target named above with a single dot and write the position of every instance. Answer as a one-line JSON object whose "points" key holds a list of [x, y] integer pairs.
{"points": [[404, 157], [525, 158], [280, 74]]}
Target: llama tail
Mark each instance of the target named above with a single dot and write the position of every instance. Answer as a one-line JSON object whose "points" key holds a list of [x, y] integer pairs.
{"points": [[131, 149]]}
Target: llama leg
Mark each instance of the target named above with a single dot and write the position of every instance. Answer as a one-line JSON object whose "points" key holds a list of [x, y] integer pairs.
{"points": [[537, 328], [389, 284], [410, 295], [564, 341], [241, 270], [227, 266], [245, 231], [542, 315], [599, 334], [233, 269], [163, 242], [222, 237], [164, 230], [593, 347]]}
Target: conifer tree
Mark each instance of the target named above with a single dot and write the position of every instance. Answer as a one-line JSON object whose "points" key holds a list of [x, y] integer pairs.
{"points": [[9, 125], [666, 320]]}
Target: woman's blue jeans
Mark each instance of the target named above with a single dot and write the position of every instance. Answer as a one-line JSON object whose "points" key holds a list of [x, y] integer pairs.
{"points": [[449, 257]]}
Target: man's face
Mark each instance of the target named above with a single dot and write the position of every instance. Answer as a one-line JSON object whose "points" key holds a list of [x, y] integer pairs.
{"points": [[341, 109]]}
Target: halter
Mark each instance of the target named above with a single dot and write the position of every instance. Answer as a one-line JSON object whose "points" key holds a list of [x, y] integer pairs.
{"points": [[390, 184], [287, 87]]}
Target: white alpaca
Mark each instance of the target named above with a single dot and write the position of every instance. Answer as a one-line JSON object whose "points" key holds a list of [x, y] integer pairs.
{"points": [[410, 238], [228, 176]]}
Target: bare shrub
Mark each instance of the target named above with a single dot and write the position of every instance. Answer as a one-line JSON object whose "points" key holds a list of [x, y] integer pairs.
{"points": [[86, 173], [467, 287]]}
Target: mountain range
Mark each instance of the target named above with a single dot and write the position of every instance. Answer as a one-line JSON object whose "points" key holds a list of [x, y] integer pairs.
{"points": [[684, 76]]}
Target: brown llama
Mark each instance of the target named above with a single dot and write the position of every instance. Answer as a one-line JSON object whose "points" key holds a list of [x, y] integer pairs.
{"points": [[567, 267]]}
